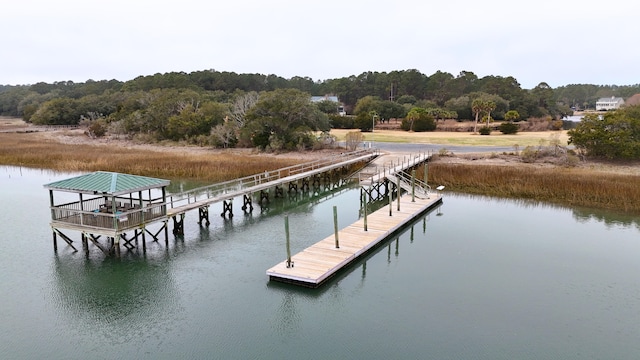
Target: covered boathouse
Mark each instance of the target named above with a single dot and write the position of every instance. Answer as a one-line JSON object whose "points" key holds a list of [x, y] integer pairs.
{"points": [[107, 204]]}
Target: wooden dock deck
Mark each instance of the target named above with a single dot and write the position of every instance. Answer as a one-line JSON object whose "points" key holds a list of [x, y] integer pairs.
{"points": [[316, 264]]}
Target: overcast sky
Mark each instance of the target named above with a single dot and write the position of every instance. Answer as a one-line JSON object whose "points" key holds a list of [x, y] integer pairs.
{"points": [[559, 42]]}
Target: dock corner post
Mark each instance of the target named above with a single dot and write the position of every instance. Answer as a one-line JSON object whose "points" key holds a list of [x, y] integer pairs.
{"points": [[144, 240], [413, 186], [335, 225], [55, 241], [286, 231]]}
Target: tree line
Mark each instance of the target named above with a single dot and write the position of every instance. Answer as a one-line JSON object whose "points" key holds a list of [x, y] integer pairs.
{"points": [[229, 109]]}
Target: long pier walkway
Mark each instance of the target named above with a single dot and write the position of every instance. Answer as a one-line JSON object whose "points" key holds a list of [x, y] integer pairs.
{"points": [[316, 264], [293, 177]]}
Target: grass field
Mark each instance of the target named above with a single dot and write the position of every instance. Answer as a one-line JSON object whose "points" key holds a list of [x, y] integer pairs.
{"points": [[496, 138]]}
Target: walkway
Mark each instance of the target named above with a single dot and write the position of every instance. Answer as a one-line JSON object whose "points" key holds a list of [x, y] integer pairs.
{"points": [[204, 196]]}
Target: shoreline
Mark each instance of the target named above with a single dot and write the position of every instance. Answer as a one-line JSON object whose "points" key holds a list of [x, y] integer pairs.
{"points": [[563, 180]]}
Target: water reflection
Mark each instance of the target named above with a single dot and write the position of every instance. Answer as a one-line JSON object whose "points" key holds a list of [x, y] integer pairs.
{"points": [[580, 214], [110, 293]]}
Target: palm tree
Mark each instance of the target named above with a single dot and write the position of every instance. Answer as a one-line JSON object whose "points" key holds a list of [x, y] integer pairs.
{"points": [[489, 106], [412, 116], [476, 107]]}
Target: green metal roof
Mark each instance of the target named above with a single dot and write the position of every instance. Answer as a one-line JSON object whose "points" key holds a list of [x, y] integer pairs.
{"points": [[107, 183]]}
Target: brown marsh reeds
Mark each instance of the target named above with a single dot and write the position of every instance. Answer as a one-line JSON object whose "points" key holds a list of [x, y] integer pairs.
{"points": [[32, 151], [559, 185]]}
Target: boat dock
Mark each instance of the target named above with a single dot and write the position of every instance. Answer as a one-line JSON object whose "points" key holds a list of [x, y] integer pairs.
{"points": [[316, 264]]}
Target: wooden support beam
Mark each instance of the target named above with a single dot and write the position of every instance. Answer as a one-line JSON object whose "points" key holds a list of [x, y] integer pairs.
{"points": [[227, 206], [178, 224], [66, 239], [247, 207], [264, 196], [94, 239], [203, 214]]}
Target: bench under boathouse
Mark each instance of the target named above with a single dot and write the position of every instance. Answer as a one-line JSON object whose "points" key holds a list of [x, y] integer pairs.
{"points": [[106, 204]]}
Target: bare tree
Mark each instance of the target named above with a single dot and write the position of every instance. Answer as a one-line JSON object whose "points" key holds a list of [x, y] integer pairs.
{"points": [[241, 105], [224, 135], [353, 139]]}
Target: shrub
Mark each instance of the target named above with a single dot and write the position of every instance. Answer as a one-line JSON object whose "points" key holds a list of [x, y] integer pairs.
{"points": [[97, 129], [424, 124], [485, 130], [529, 154], [508, 127], [341, 122]]}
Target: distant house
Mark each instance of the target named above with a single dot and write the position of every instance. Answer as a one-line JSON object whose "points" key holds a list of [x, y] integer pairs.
{"points": [[331, 98], [612, 103]]}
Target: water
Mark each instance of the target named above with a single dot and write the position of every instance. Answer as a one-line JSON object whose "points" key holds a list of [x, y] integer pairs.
{"points": [[478, 278]]}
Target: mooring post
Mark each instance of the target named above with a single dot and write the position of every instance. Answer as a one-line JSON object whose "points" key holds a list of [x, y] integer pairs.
{"points": [[335, 225], [426, 172], [55, 241], [413, 185], [390, 202], [286, 231], [364, 204], [398, 189]]}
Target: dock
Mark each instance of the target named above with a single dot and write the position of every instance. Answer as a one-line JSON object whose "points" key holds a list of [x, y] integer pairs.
{"points": [[316, 264]]}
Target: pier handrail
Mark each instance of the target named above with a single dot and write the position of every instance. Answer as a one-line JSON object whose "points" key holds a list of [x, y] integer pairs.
{"points": [[395, 167], [233, 186]]}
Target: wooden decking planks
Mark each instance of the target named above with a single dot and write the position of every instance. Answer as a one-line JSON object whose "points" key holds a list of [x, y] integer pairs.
{"points": [[317, 263]]}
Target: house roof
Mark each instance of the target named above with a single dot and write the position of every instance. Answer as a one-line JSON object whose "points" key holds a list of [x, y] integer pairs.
{"points": [[107, 183], [610, 99], [324, 98]]}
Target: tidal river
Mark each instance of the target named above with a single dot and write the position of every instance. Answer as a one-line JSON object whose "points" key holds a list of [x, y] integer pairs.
{"points": [[477, 278]]}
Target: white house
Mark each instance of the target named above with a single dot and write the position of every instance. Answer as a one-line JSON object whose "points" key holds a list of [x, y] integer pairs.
{"points": [[612, 103], [331, 98]]}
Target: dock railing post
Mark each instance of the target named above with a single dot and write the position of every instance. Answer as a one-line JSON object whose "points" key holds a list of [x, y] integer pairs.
{"points": [[335, 225], [286, 231]]}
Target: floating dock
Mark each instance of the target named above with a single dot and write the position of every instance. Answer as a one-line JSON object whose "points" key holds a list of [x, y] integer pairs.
{"points": [[316, 264]]}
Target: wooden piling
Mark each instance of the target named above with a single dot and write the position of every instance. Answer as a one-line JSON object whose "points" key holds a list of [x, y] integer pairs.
{"points": [[426, 172], [286, 231], [413, 186], [398, 190], [335, 225], [364, 208]]}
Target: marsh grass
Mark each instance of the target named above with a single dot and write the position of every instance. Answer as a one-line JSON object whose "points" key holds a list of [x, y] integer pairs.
{"points": [[27, 150], [559, 185]]}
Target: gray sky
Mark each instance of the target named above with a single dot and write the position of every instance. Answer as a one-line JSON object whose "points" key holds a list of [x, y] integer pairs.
{"points": [[559, 42]]}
